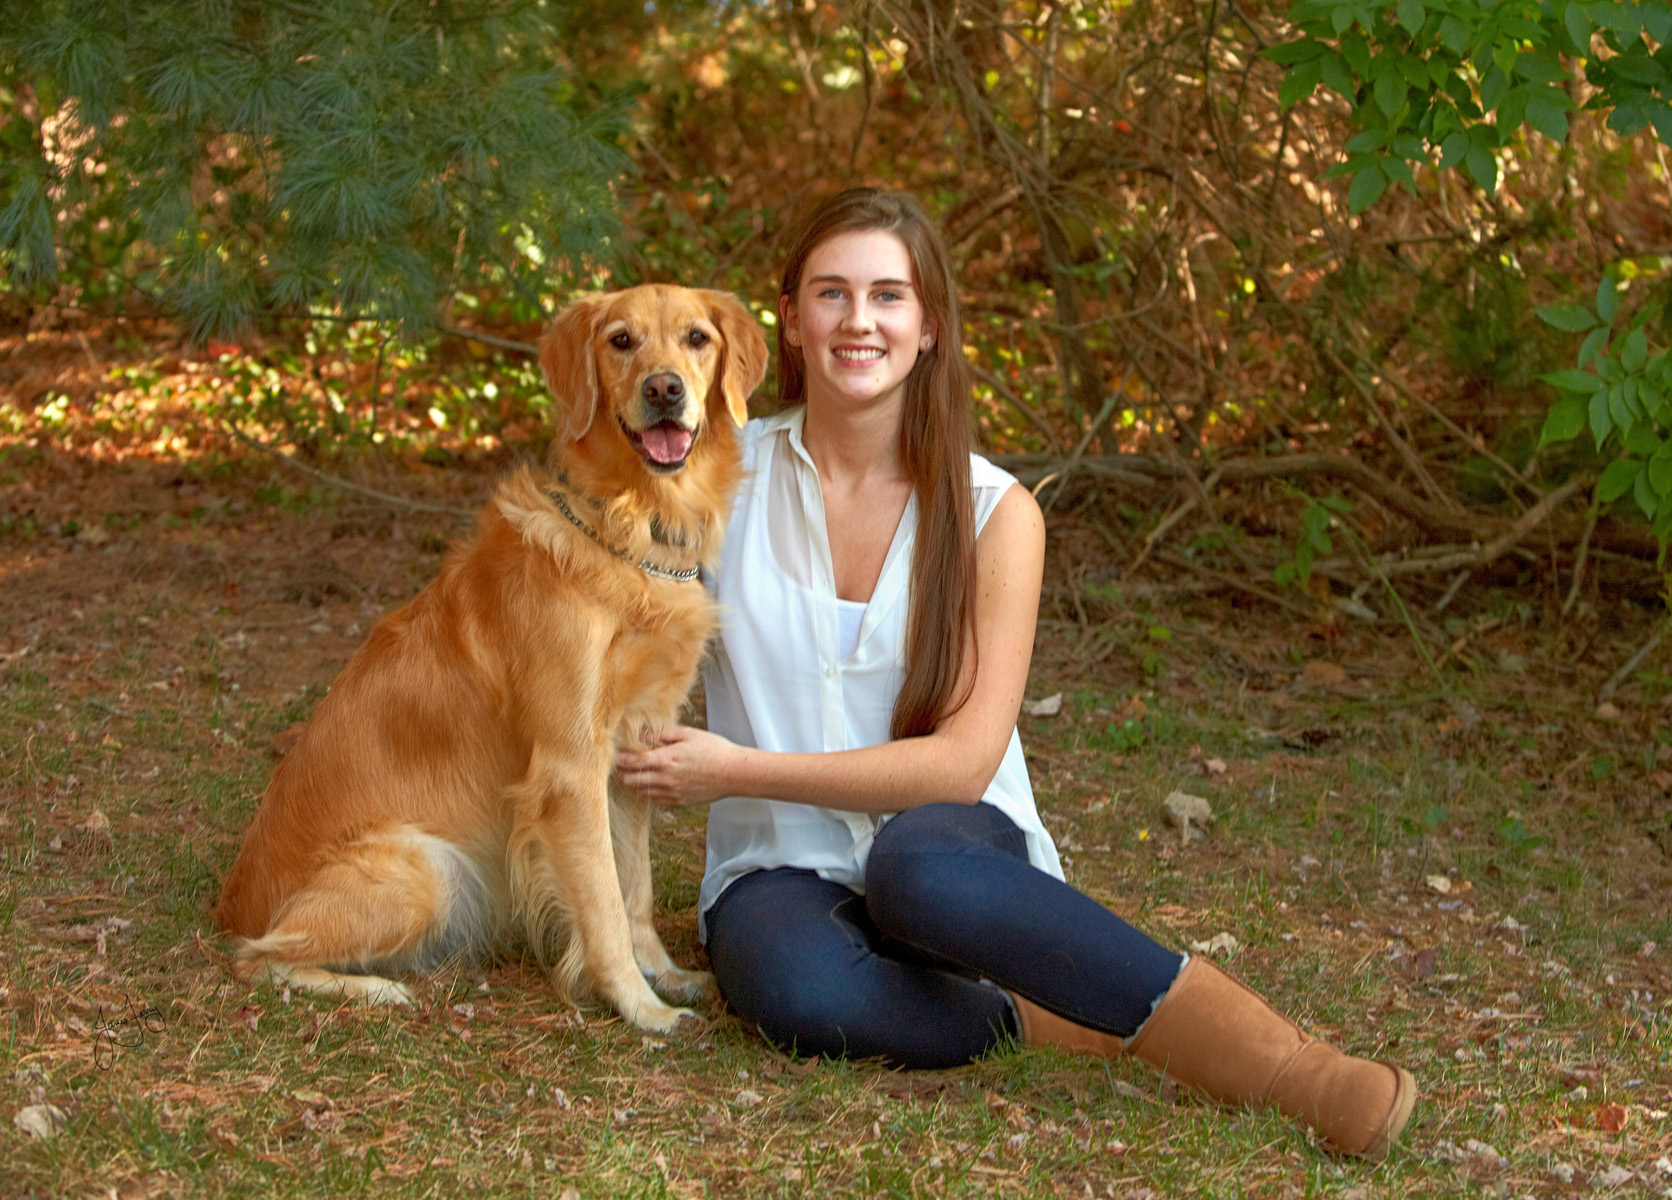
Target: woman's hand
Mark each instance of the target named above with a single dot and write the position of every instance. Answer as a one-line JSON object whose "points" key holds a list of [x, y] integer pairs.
{"points": [[691, 766]]}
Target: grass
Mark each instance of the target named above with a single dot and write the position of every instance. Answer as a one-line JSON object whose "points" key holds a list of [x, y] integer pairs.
{"points": [[163, 659]]}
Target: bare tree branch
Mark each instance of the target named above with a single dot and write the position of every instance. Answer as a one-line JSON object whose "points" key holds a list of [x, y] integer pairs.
{"points": [[345, 485]]}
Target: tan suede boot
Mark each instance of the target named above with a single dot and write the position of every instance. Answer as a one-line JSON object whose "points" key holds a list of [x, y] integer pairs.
{"points": [[1214, 1034], [1041, 1027]]}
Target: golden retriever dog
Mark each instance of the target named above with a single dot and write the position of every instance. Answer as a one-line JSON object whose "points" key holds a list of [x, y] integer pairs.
{"points": [[451, 792]]}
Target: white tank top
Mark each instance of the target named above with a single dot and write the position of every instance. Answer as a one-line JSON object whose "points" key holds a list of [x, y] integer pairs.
{"points": [[778, 677]]}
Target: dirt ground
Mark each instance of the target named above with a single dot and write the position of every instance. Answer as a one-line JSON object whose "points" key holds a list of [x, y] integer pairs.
{"points": [[1466, 865]]}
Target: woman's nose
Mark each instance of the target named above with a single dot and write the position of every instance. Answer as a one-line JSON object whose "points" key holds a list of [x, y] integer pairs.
{"points": [[859, 316]]}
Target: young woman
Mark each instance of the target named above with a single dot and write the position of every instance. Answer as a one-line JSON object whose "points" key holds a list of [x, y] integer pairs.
{"points": [[879, 883]]}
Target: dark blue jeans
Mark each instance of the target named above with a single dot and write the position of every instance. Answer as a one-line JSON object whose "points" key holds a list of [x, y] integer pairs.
{"points": [[950, 901]]}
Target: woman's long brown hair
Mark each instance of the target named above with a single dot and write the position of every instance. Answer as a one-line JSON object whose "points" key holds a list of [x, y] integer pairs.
{"points": [[935, 445]]}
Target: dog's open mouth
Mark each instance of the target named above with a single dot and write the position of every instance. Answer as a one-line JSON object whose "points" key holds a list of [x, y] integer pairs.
{"points": [[664, 446]]}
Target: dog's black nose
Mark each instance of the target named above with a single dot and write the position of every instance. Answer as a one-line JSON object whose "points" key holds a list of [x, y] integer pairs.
{"points": [[665, 390]]}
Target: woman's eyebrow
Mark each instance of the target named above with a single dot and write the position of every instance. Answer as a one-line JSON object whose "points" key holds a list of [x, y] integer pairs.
{"points": [[896, 283]]}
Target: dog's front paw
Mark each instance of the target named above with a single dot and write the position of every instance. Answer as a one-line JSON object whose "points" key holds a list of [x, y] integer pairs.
{"points": [[690, 986], [665, 1019]]}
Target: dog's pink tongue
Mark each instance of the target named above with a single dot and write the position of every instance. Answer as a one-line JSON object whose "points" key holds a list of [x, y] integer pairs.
{"points": [[667, 442]]}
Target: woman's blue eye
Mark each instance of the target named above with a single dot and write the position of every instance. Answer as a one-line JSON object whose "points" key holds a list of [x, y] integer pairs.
{"points": [[889, 296], [831, 294]]}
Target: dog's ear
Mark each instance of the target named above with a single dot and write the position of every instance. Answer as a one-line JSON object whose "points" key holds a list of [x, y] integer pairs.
{"points": [[566, 361], [744, 364]]}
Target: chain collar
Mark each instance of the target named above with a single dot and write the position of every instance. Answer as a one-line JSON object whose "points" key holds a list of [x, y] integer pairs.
{"points": [[648, 567]]}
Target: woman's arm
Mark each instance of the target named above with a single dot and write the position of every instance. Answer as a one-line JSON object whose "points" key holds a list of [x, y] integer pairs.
{"points": [[956, 762]]}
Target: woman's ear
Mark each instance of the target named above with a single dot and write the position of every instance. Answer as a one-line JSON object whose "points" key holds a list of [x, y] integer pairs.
{"points": [[566, 361], [743, 356], [790, 320]]}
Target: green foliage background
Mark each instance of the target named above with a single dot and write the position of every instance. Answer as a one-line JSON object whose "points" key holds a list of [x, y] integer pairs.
{"points": [[1175, 223], [243, 158]]}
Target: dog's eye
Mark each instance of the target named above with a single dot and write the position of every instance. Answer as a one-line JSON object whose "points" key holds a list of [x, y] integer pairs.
{"points": [[621, 342], [699, 338]]}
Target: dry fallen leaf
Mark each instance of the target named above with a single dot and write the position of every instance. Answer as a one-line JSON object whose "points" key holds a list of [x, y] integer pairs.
{"points": [[1482, 1149], [1219, 943], [1580, 1074], [1216, 766], [1447, 886], [1607, 712], [1424, 963], [1327, 674], [1485, 1154], [1612, 1118], [1050, 706], [1646, 949], [41, 1120]]}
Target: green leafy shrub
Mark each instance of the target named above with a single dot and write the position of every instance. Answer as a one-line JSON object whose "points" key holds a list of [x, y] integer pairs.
{"points": [[1452, 83]]}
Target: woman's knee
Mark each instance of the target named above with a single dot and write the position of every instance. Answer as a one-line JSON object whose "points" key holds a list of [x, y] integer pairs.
{"points": [[918, 854]]}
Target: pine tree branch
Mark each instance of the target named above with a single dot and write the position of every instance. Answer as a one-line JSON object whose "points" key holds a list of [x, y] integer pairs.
{"points": [[489, 339]]}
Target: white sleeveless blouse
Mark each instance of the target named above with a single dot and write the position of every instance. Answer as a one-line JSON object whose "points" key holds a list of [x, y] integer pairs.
{"points": [[777, 679]]}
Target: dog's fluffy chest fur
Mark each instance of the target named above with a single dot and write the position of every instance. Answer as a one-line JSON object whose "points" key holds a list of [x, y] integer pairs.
{"points": [[646, 634]]}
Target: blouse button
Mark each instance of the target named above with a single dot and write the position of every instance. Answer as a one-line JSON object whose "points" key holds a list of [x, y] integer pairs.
{"points": [[829, 671]]}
